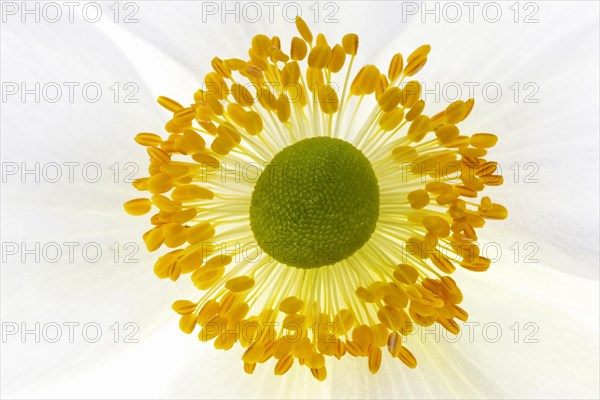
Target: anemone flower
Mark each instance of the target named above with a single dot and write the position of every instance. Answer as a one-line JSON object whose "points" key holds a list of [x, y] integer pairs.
{"points": [[310, 201]]}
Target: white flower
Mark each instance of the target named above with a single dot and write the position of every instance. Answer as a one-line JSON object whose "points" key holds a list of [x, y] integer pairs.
{"points": [[534, 314]]}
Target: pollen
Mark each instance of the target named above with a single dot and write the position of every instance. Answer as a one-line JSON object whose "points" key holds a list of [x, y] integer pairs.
{"points": [[315, 208]]}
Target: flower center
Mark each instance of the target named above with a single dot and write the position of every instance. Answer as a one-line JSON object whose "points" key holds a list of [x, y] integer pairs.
{"points": [[315, 204]]}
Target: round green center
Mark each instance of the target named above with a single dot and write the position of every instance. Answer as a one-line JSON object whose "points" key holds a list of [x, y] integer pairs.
{"points": [[315, 204]]}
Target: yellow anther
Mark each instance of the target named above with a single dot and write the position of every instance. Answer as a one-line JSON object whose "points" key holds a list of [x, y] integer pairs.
{"points": [[350, 43], [472, 152], [355, 349], [450, 290], [158, 156], [294, 322], [436, 225], [214, 104], [166, 266], [447, 133], [276, 42], [315, 79], [418, 199], [219, 261], [183, 116], [479, 265], [237, 312], [229, 131], [496, 212], [208, 311], [419, 128], [486, 168], [253, 123], [486, 204], [492, 180], [298, 49], [365, 294], [319, 56], [290, 73], [187, 323], [391, 120], [374, 359], [260, 45], [277, 55], [321, 40], [148, 139], [249, 368], [235, 64], [380, 335], [328, 99], [191, 193], [160, 183], [190, 261], [291, 305], [469, 106], [382, 86], [283, 108], [205, 277], [184, 307], [267, 98], [366, 81], [415, 111], [215, 85], [242, 95], [254, 353], [303, 30], [442, 263], [169, 104], [397, 300], [460, 313], [438, 187], [391, 317], [394, 344], [483, 140], [390, 98], [140, 183], [204, 113], [138, 206], [284, 364], [319, 374], [406, 274], [282, 347], [191, 142], [363, 335], [344, 320], [185, 215], [200, 232], [396, 66], [175, 235], [410, 94], [456, 112], [417, 60], [451, 326], [220, 68], [407, 357], [403, 154], [338, 57], [239, 284], [237, 113], [315, 360]]}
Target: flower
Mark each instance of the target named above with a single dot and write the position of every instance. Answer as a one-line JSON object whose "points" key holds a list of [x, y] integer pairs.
{"points": [[355, 224], [554, 286]]}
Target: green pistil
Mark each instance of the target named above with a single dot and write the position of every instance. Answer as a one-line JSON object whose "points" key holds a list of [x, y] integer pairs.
{"points": [[315, 204]]}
